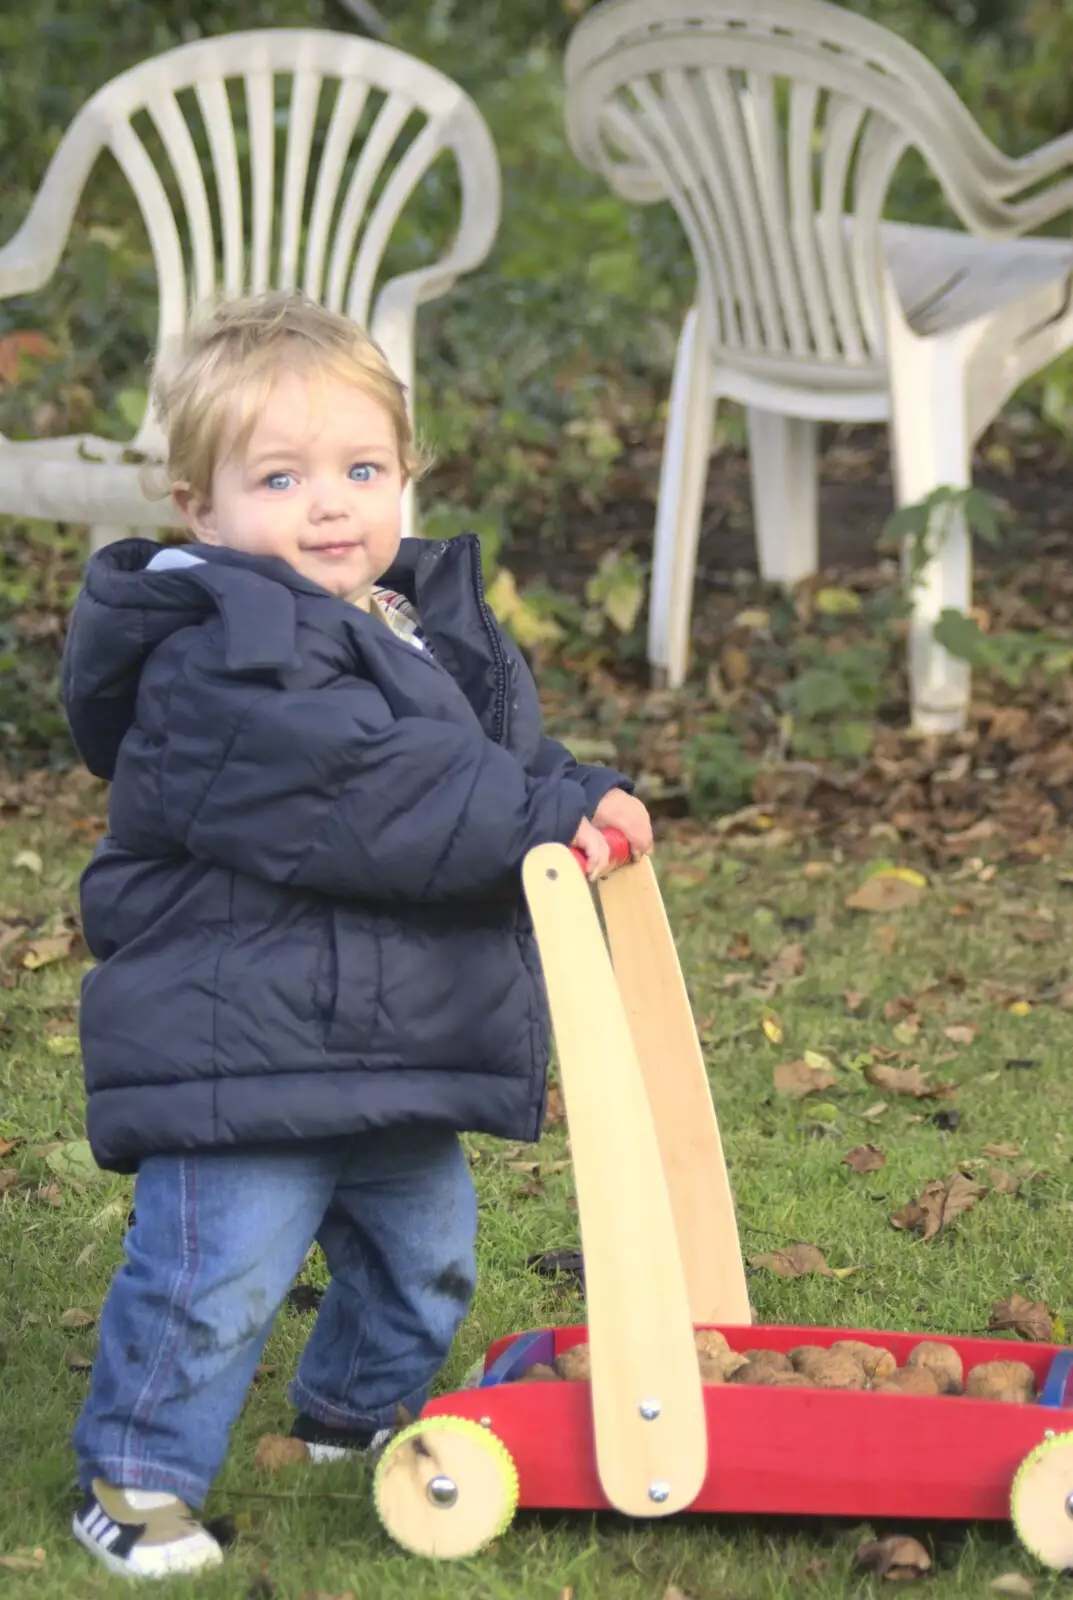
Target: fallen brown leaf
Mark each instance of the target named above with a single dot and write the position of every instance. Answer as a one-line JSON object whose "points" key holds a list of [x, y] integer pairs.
{"points": [[789, 963], [49, 1194], [77, 1318], [1012, 1583], [906, 1080], [896, 1557], [274, 1452], [672, 1592], [884, 892], [853, 999], [24, 1560], [9, 1177], [865, 1158], [556, 1111], [799, 1261], [1002, 1152], [7, 1145], [78, 1361], [939, 1203], [961, 1032], [43, 952], [797, 1079], [1003, 1181], [1029, 1318]]}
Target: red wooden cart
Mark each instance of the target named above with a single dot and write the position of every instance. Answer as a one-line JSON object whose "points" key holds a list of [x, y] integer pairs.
{"points": [[646, 1436]]}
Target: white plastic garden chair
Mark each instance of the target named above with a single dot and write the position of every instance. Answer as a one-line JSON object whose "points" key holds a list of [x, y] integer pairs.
{"points": [[774, 128], [327, 236]]}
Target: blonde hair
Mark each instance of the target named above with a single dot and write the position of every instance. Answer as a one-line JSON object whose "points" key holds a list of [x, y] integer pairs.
{"points": [[231, 358]]}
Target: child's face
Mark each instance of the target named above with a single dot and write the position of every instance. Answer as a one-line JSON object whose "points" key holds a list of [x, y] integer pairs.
{"points": [[318, 484]]}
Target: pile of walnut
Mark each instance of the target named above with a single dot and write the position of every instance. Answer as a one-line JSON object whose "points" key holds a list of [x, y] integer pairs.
{"points": [[932, 1369]]}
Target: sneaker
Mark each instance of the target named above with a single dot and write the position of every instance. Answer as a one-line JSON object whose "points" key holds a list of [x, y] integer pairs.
{"points": [[139, 1533], [336, 1444]]}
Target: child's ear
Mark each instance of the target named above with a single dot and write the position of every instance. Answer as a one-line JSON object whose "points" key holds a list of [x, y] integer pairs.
{"points": [[196, 512]]}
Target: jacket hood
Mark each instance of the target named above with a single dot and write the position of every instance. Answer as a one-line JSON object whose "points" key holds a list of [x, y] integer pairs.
{"points": [[126, 611]]}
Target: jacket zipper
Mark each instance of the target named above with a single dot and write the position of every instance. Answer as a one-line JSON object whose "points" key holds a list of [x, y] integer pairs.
{"points": [[499, 710]]}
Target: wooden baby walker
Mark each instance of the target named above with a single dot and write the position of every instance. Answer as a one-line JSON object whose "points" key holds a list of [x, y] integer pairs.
{"points": [[646, 1435]]}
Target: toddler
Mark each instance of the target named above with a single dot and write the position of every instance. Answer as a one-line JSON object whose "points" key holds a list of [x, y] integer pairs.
{"points": [[314, 964]]}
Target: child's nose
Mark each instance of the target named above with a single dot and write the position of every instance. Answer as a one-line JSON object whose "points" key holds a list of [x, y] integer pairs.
{"points": [[328, 499]]}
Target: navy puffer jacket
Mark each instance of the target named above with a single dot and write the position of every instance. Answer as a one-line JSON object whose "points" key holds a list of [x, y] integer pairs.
{"points": [[307, 912]]}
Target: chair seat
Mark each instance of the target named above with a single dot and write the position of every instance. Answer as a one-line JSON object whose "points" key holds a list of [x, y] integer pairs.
{"points": [[946, 279], [80, 478]]}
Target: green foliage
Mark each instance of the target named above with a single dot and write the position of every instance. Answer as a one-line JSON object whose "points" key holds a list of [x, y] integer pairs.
{"points": [[718, 774], [1013, 657], [833, 702], [920, 530]]}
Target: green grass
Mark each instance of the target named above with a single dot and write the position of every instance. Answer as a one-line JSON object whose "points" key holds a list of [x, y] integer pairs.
{"points": [[791, 1184]]}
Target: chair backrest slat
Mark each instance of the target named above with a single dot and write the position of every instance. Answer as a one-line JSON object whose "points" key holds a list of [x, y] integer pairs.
{"points": [[269, 175], [301, 127], [774, 128], [216, 115]]}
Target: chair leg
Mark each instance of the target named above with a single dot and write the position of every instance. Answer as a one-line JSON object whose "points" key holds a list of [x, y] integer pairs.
{"points": [[782, 465], [933, 449], [683, 475]]}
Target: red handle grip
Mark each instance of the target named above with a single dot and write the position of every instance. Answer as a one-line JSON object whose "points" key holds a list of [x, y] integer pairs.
{"points": [[619, 845]]}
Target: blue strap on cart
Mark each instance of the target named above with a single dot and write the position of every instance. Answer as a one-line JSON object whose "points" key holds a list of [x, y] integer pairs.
{"points": [[1056, 1384], [519, 1356]]}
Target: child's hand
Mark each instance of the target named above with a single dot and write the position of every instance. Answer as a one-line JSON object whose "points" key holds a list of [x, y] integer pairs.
{"points": [[620, 810], [595, 848]]}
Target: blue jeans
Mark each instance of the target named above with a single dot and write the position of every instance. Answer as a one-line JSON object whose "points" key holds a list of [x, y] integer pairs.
{"points": [[217, 1241]]}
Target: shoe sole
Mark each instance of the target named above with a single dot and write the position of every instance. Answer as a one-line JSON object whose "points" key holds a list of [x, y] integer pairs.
{"points": [[123, 1569]]}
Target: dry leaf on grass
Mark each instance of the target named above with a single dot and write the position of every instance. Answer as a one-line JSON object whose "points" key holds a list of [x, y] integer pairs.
{"points": [[1003, 1181], [895, 1557], [556, 1111], [799, 1261], [43, 952], [274, 1452], [1002, 1152], [961, 1032], [1029, 1318], [9, 1177], [24, 1560], [7, 1145], [78, 1361], [906, 1080], [939, 1203], [789, 963], [853, 1000], [797, 1079], [49, 1194], [1012, 1583], [887, 891], [77, 1318], [672, 1592], [865, 1158]]}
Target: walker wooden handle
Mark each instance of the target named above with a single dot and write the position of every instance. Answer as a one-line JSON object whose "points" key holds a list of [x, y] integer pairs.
{"points": [[621, 853]]}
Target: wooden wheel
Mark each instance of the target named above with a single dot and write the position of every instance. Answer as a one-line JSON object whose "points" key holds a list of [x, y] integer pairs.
{"points": [[445, 1487], [1041, 1502]]}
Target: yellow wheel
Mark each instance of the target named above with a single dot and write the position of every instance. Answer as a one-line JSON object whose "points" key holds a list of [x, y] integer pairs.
{"points": [[445, 1487], [1041, 1502]]}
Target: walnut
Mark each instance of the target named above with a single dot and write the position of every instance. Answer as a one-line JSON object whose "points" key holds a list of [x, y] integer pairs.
{"points": [[758, 1372], [944, 1361], [539, 1372], [573, 1364], [829, 1369], [875, 1360], [910, 1380], [711, 1341], [1011, 1381], [719, 1366], [775, 1360]]}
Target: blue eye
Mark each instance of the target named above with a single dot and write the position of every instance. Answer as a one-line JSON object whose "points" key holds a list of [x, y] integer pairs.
{"points": [[363, 472], [279, 480]]}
